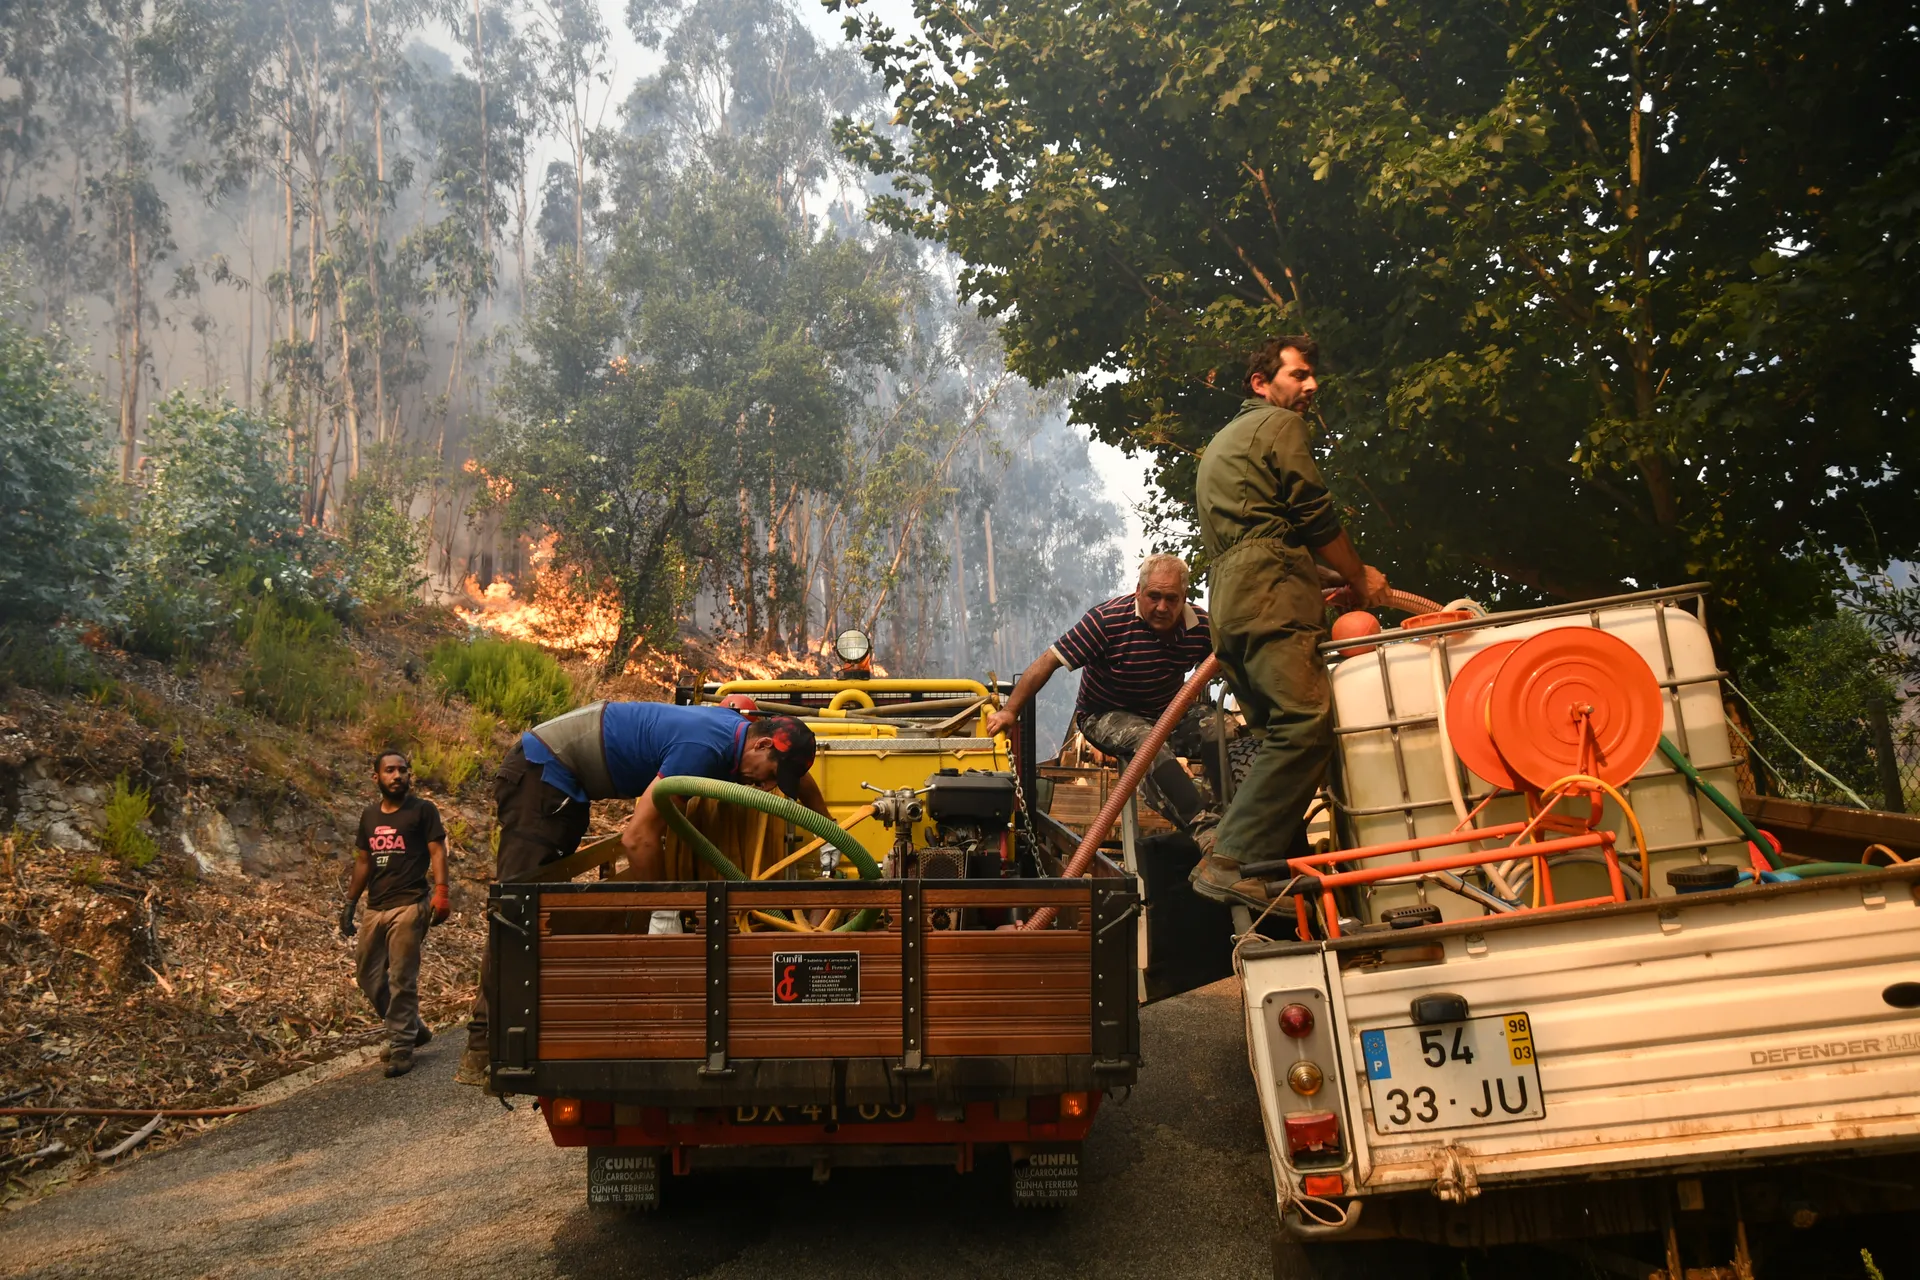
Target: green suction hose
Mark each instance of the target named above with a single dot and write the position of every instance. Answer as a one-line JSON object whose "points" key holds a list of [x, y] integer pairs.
{"points": [[775, 806]]}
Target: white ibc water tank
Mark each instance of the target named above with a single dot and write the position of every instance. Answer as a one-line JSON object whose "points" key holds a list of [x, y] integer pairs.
{"points": [[1393, 764]]}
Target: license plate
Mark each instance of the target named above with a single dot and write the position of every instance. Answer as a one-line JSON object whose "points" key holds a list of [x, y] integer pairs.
{"points": [[1455, 1075], [813, 1113]]}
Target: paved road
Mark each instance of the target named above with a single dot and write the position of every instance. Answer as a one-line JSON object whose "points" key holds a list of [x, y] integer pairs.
{"points": [[419, 1177], [367, 1176]]}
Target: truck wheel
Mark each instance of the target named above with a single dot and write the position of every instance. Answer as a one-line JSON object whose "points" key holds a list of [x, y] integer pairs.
{"points": [[1347, 1260]]}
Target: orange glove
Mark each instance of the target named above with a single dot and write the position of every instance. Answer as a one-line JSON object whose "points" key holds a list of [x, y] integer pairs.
{"points": [[442, 904]]}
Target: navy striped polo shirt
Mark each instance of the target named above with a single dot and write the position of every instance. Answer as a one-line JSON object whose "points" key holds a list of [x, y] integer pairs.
{"points": [[1126, 665]]}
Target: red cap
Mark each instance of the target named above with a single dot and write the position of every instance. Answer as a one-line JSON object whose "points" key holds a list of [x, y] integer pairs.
{"points": [[793, 743]]}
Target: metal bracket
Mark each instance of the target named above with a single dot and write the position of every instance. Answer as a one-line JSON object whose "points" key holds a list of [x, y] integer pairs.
{"points": [[913, 1004], [716, 1067], [1116, 1018]]}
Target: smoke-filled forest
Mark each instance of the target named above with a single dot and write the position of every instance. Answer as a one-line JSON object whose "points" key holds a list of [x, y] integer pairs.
{"points": [[334, 305]]}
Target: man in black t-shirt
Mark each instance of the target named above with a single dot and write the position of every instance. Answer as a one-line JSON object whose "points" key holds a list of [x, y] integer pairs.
{"points": [[401, 841]]}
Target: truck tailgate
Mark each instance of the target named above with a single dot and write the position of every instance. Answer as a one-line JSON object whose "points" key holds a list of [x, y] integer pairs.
{"points": [[1692, 1029]]}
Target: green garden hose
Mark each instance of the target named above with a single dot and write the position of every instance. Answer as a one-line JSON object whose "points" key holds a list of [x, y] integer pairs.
{"points": [[775, 806], [1714, 794]]}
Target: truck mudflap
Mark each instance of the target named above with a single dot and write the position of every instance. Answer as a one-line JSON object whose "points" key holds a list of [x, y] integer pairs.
{"points": [[1680, 1034]]}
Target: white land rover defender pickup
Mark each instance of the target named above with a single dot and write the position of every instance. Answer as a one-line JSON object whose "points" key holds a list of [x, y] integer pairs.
{"points": [[1444, 1060]]}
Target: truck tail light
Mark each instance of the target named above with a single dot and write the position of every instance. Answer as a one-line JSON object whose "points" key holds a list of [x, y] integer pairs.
{"points": [[1312, 1133], [1073, 1105], [564, 1111], [1296, 1020], [1304, 1078], [1324, 1184]]}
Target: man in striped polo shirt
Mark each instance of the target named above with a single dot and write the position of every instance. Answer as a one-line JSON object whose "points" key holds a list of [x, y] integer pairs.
{"points": [[1133, 653]]}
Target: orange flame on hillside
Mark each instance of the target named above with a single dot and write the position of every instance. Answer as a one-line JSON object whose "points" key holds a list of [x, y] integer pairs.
{"points": [[558, 615]]}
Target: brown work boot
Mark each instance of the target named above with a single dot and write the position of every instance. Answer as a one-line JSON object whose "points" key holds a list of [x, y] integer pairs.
{"points": [[473, 1068], [421, 1038], [399, 1062], [1220, 879]]}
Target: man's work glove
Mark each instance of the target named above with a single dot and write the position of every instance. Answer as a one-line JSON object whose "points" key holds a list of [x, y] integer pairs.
{"points": [[442, 904], [347, 926]]}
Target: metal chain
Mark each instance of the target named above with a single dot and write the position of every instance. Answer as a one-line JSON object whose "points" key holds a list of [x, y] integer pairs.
{"points": [[1025, 814]]}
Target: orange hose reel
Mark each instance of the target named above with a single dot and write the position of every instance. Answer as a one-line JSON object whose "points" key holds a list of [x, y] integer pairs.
{"points": [[1531, 716]]}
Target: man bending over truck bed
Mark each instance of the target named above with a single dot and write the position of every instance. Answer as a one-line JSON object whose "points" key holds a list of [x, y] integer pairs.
{"points": [[1133, 652], [615, 750]]}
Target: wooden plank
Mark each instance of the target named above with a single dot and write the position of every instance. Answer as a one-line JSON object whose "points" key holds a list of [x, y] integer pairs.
{"points": [[1832, 830], [991, 993]]}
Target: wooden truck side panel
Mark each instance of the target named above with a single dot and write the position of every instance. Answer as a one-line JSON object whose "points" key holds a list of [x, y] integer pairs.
{"points": [[588, 996]]}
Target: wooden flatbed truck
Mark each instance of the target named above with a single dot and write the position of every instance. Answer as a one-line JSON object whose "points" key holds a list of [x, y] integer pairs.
{"points": [[707, 1022]]}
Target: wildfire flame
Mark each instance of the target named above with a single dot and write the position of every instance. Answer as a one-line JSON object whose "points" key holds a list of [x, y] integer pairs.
{"points": [[558, 615]]}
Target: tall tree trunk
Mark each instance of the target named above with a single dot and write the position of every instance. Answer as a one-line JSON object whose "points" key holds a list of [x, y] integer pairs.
{"points": [[372, 216], [133, 357], [579, 192], [993, 588], [486, 182], [286, 171], [751, 623], [803, 543], [960, 589], [520, 225]]}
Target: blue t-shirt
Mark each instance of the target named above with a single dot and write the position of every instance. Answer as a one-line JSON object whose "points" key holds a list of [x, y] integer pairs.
{"points": [[648, 740]]}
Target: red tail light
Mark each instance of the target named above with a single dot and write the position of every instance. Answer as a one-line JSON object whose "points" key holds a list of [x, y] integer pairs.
{"points": [[1296, 1020], [1311, 1132], [1324, 1184], [564, 1111]]}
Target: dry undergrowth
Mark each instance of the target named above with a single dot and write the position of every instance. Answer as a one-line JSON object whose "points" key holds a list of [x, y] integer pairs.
{"points": [[155, 990]]}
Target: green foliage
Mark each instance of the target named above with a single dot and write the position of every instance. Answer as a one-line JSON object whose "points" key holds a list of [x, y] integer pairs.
{"points": [[392, 724], [1816, 692], [448, 763], [125, 814], [295, 668], [218, 523], [1604, 298], [512, 679], [1873, 1272], [380, 542], [57, 542]]}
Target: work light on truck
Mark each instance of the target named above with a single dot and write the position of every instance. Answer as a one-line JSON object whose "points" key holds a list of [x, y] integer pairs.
{"points": [[1296, 1020]]}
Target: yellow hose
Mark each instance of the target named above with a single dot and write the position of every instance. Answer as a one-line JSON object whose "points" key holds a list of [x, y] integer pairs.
{"points": [[1547, 800], [849, 697], [853, 820]]}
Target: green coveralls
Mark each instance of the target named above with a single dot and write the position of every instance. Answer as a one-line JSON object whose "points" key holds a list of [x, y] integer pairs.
{"points": [[1262, 507]]}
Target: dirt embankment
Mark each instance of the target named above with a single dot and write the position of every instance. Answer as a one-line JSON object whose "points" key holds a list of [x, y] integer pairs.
{"points": [[182, 960]]}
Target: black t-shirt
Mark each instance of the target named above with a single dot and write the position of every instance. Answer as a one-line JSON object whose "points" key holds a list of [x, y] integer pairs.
{"points": [[396, 848]]}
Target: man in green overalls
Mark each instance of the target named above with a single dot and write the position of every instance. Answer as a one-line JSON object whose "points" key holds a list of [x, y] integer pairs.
{"points": [[1265, 517]]}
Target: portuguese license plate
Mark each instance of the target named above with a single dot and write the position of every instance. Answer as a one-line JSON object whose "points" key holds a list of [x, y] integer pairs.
{"points": [[1455, 1075], [815, 1113]]}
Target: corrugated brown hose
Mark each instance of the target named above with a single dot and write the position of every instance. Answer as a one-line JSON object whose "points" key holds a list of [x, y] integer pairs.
{"points": [[1129, 782]]}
